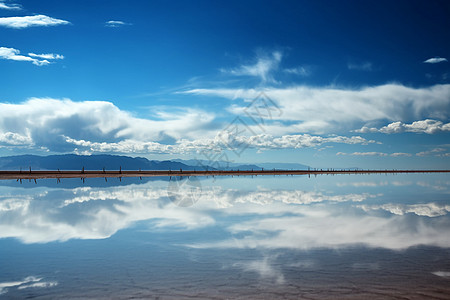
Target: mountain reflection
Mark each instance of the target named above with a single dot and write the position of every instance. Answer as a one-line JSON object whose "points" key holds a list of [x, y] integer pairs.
{"points": [[256, 217]]}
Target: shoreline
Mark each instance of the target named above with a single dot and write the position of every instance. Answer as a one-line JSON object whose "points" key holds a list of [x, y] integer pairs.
{"points": [[5, 175]]}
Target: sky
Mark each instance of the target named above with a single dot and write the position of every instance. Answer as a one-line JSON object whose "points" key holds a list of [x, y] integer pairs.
{"points": [[329, 84]]}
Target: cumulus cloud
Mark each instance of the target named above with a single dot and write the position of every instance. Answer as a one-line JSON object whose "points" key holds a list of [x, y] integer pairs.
{"points": [[116, 24], [31, 21], [14, 139], [263, 67], [9, 6], [222, 141], [57, 124], [36, 59], [328, 109], [428, 126], [435, 60], [99, 126]]}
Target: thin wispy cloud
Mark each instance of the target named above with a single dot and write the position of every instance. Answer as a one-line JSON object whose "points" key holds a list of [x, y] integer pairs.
{"points": [[396, 154], [263, 67], [428, 126], [366, 66], [439, 152], [116, 24], [9, 6], [329, 110], [31, 21], [301, 71], [46, 56], [36, 59], [435, 60]]}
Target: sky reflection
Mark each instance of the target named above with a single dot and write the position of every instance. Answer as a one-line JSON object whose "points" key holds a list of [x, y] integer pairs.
{"points": [[286, 236], [316, 214]]}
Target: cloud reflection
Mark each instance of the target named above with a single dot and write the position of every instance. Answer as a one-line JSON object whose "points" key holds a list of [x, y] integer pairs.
{"points": [[425, 209], [250, 218], [264, 268], [26, 283], [321, 227]]}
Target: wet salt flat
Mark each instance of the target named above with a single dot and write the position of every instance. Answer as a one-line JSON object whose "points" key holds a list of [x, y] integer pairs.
{"points": [[359, 236]]}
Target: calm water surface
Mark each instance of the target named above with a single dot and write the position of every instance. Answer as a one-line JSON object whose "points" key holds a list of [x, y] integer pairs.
{"points": [[356, 236]]}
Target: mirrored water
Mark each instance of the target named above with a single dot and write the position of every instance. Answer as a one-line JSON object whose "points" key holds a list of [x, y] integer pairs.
{"points": [[355, 236]]}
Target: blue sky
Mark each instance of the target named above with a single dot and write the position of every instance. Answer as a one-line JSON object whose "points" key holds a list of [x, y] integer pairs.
{"points": [[324, 83]]}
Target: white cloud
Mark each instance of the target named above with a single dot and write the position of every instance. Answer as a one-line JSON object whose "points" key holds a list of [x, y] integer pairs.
{"points": [[59, 124], [7, 6], [14, 54], [363, 153], [116, 24], [428, 126], [395, 154], [14, 139], [222, 141], [125, 146], [320, 110], [36, 59], [436, 152], [31, 21], [263, 67], [435, 60], [98, 126], [47, 56], [301, 71]]}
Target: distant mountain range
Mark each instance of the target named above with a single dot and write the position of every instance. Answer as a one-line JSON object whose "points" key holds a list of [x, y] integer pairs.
{"points": [[224, 165], [88, 162], [115, 162]]}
